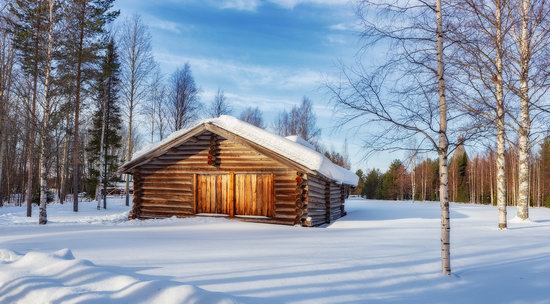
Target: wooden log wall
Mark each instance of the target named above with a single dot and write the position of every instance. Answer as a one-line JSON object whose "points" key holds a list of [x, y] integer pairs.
{"points": [[302, 200], [166, 182], [326, 200], [336, 201], [137, 197], [316, 200]]}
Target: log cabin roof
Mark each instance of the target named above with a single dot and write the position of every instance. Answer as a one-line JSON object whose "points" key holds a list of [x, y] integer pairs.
{"points": [[288, 150]]}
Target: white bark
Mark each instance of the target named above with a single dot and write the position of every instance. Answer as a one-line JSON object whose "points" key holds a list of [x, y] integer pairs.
{"points": [[128, 158], [525, 120], [65, 163], [137, 64], [102, 159], [500, 159], [43, 217], [443, 149]]}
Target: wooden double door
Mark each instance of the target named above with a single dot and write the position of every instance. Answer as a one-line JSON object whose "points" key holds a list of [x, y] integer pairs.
{"points": [[241, 194]]}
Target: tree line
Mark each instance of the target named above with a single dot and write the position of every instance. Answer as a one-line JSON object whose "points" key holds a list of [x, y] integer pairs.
{"points": [[471, 179], [80, 90]]}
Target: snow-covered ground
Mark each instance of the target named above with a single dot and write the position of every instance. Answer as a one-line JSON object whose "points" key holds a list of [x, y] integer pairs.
{"points": [[379, 252]]}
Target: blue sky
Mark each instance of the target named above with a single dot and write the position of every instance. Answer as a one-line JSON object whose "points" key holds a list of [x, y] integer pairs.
{"points": [[266, 53]]}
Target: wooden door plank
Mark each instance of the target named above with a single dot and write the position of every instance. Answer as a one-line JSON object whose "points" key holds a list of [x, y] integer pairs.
{"points": [[254, 193], [223, 194], [270, 195], [211, 199], [219, 194], [195, 201], [248, 193], [231, 194], [260, 199], [242, 196]]}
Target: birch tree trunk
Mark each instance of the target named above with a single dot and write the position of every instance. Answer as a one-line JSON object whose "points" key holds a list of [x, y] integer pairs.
{"points": [[501, 148], [129, 157], [525, 120], [43, 217], [102, 158], [137, 63], [65, 163], [443, 149]]}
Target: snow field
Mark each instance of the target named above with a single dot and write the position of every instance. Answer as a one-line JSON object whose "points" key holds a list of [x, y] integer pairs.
{"points": [[381, 252]]}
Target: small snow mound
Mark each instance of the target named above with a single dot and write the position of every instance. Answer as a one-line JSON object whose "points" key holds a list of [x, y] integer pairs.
{"points": [[40, 277], [116, 218], [7, 255], [518, 220], [65, 254]]}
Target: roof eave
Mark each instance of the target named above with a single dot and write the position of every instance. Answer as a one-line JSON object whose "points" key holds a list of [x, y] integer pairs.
{"points": [[132, 164]]}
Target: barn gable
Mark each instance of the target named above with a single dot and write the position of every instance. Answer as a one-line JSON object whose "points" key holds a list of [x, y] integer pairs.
{"points": [[176, 182]]}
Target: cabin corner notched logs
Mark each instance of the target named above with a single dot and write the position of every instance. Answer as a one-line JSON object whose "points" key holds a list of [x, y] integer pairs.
{"points": [[210, 174]]}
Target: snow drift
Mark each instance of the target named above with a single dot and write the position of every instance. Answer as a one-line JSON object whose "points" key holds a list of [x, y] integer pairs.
{"points": [[59, 277]]}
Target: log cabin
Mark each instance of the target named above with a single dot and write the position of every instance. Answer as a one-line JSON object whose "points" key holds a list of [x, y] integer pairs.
{"points": [[226, 167]]}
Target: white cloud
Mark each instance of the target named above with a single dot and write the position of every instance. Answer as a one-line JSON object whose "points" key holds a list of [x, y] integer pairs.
{"points": [[241, 5], [290, 4], [246, 76], [164, 25], [351, 26], [252, 5]]}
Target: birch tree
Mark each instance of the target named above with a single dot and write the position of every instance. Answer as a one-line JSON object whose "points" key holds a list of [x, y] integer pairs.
{"points": [[531, 35], [301, 121], [253, 116], [443, 146], [136, 65], [47, 112], [219, 105], [155, 109], [184, 104], [405, 97], [482, 28]]}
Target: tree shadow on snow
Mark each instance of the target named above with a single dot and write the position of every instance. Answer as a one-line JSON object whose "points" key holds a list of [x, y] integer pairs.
{"points": [[514, 280]]}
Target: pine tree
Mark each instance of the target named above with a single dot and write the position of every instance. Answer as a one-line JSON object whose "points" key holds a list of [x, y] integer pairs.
{"points": [[85, 25], [459, 168], [105, 136], [392, 183], [360, 184], [47, 109], [372, 185]]}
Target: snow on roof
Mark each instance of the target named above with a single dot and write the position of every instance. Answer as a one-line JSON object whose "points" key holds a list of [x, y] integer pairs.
{"points": [[291, 148], [301, 141]]}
